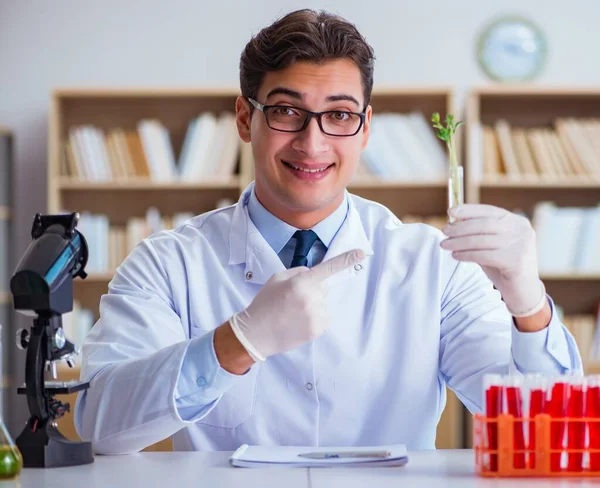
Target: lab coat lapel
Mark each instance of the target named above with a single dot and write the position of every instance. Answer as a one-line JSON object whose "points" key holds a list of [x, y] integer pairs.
{"points": [[350, 236], [247, 245]]}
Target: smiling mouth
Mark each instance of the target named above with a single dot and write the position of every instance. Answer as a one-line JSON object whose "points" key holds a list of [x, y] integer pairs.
{"points": [[297, 168]]}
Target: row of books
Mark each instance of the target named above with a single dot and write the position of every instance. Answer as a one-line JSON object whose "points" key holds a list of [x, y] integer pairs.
{"points": [[210, 151], [403, 146], [110, 244], [568, 238], [570, 147]]}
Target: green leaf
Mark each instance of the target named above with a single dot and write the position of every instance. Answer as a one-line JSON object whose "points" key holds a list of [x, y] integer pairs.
{"points": [[444, 134], [449, 119], [435, 118]]}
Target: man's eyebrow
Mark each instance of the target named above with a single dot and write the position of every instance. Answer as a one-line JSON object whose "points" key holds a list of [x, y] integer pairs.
{"points": [[280, 90], [337, 98]]}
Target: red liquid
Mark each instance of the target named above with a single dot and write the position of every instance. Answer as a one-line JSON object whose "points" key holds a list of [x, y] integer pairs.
{"points": [[493, 408], [558, 409], [593, 412], [514, 402], [576, 430], [537, 403]]}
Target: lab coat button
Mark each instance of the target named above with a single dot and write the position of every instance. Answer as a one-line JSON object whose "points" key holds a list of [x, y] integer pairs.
{"points": [[249, 275], [309, 386], [201, 381], [358, 267]]}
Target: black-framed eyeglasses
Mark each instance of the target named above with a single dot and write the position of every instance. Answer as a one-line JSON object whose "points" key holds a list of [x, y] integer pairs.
{"points": [[285, 118]]}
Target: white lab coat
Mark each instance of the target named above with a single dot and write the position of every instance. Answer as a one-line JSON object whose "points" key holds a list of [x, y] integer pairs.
{"points": [[404, 323]]}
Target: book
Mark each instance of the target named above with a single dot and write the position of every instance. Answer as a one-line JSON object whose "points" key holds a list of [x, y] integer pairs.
{"points": [[247, 456]]}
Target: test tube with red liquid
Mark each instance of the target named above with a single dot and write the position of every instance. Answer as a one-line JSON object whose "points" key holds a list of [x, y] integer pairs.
{"points": [[593, 414], [537, 386], [493, 384], [576, 426], [513, 388], [557, 408]]}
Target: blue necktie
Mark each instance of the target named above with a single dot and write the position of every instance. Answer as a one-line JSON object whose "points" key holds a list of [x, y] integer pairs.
{"points": [[304, 241]]}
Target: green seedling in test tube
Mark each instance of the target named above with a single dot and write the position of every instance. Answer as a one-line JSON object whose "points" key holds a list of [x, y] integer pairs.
{"points": [[447, 133]]}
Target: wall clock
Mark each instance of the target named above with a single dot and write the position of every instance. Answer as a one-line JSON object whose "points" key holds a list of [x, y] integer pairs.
{"points": [[512, 49]]}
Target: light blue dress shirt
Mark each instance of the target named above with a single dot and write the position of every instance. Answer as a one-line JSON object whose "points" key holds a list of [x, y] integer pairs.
{"points": [[404, 323]]}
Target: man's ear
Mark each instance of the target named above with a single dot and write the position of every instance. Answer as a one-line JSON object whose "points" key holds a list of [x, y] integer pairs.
{"points": [[243, 118], [367, 127]]}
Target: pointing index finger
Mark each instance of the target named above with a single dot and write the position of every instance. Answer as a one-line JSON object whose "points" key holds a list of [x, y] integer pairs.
{"points": [[328, 268]]}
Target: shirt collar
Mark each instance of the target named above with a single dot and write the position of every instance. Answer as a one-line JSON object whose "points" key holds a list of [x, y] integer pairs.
{"points": [[277, 233]]}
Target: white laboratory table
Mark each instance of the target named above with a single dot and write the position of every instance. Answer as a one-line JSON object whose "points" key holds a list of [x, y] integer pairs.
{"points": [[442, 468]]}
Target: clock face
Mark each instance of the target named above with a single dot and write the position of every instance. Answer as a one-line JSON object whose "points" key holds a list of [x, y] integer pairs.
{"points": [[512, 49]]}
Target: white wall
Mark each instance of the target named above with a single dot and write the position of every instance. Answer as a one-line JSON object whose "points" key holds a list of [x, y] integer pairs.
{"points": [[48, 44]]}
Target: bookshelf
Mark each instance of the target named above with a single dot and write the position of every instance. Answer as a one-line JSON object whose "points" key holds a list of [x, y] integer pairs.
{"points": [[535, 107], [556, 178], [122, 199]]}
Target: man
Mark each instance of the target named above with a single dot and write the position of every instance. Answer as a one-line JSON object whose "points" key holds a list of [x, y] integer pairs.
{"points": [[305, 315]]}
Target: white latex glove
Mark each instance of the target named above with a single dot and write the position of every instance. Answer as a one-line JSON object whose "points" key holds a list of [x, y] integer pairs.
{"points": [[290, 309], [504, 245]]}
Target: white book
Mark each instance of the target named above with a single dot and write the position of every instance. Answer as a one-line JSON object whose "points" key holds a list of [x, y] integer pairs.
{"points": [[566, 223], [98, 163], [78, 155], [476, 149], [167, 159], [186, 149], [217, 147], [87, 155], [545, 233], [231, 151], [195, 166], [592, 252], [412, 159], [150, 144], [589, 241], [426, 132], [379, 151], [102, 154]]}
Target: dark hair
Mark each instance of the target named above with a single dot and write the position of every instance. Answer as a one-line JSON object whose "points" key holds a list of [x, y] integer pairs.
{"points": [[304, 35]]}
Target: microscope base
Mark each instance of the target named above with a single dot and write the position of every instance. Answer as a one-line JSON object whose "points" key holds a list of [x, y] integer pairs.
{"points": [[46, 447]]}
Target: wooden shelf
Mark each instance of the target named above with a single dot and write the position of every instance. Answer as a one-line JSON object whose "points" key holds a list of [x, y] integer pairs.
{"points": [[145, 184], [592, 367], [5, 297], [368, 184], [5, 213], [570, 277], [534, 183]]}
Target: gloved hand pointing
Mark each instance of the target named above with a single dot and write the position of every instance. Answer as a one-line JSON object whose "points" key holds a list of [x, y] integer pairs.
{"points": [[290, 309]]}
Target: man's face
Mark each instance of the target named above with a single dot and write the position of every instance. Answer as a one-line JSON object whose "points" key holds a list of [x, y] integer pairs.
{"points": [[285, 179]]}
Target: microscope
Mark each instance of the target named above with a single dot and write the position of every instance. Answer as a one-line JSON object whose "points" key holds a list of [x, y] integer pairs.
{"points": [[42, 288]]}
